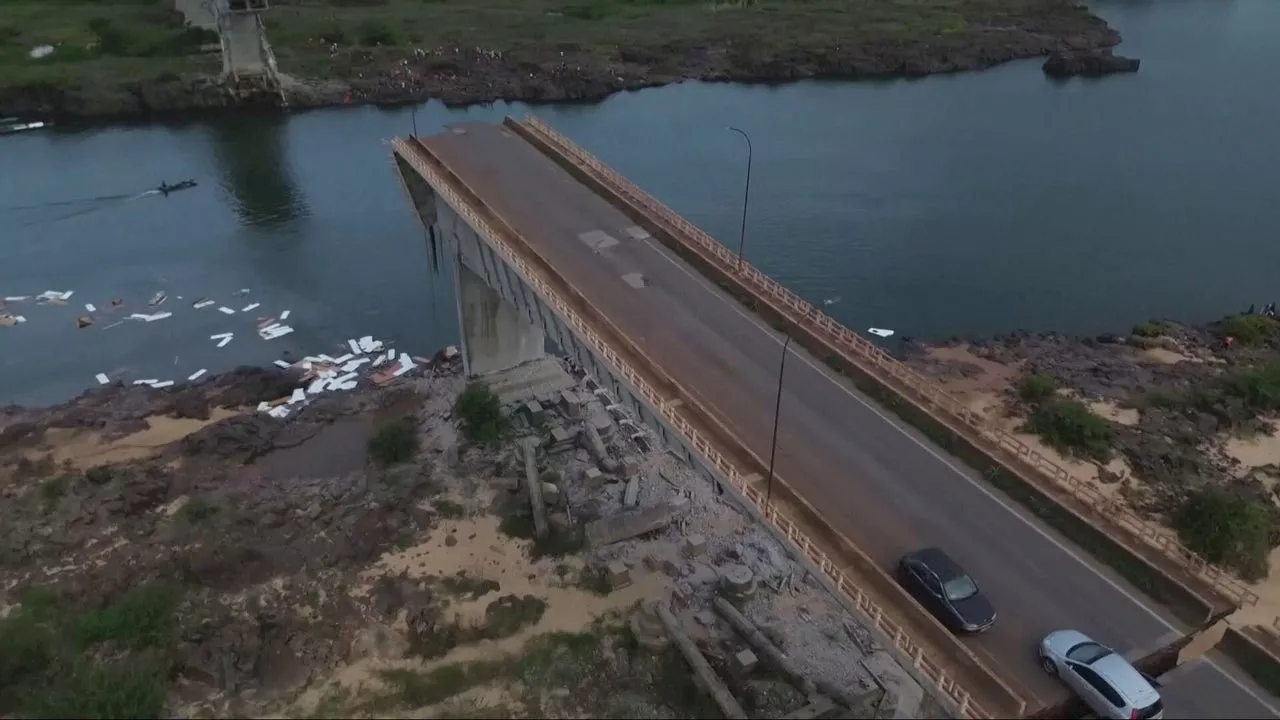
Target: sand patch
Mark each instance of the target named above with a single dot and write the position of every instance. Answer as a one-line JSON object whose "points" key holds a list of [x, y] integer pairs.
{"points": [[1256, 451], [1165, 356], [479, 550], [83, 450], [1113, 412], [982, 391]]}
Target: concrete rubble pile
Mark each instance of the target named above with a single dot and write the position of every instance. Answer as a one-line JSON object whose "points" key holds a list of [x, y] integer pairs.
{"points": [[585, 463]]}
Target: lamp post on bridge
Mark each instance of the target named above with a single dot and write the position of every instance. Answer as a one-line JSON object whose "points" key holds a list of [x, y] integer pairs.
{"points": [[777, 410], [746, 195]]}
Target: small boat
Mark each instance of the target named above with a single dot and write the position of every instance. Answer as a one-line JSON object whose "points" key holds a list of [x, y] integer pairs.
{"points": [[166, 188], [9, 126]]}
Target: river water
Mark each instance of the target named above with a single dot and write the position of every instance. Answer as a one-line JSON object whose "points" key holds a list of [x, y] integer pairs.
{"points": [[971, 204]]}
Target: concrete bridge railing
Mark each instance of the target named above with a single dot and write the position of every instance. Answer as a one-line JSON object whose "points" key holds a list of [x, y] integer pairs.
{"points": [[450, 190], [877, 362]]}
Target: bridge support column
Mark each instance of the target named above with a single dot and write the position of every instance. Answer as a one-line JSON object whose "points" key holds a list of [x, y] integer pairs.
{"points": [[496, 336]]}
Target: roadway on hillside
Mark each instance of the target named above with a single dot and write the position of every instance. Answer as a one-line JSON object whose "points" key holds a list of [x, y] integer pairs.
{"points": [[880, 485]]}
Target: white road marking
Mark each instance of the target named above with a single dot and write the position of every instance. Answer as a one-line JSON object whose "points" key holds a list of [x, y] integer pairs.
{"points": [[826, 372]]}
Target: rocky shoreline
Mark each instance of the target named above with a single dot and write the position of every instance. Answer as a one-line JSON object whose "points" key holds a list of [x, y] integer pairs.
{"points": [[462, 77], [1175, 408]]}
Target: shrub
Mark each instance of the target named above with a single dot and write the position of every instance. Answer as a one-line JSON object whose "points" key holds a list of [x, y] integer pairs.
{"points": [[395, 443], [1258, 388], [1149, 329], [1072, 429], [1037, 387], [480, 415], [1227, 530], [1249, 329]]}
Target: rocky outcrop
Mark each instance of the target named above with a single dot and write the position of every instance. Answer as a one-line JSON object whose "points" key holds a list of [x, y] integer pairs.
{"points": [[1088, 64]]}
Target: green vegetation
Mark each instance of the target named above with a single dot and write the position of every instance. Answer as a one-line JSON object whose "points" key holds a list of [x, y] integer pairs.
{"points": [[139, 40], [111, 662], [1249, 329], [480, 415], [1072, 429], [134, 39], [395, 443], [1234, 399], [1227, 530], [1036, 387], [1150, 329]]}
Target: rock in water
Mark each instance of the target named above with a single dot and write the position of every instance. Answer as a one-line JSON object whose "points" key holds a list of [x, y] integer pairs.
{"points": [[1088, 64]]}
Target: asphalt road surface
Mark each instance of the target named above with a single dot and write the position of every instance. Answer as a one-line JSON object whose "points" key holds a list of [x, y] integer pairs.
{"points": [[879, 483]]}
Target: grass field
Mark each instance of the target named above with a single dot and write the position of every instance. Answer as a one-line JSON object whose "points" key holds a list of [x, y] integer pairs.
{"points": [[143, 39]]}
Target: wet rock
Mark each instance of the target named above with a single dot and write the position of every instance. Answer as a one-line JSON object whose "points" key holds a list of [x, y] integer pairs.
{"points": [[1088, 64]]}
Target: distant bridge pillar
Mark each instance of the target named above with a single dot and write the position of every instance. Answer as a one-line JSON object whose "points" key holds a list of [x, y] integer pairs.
{"points": [[243, 35]]}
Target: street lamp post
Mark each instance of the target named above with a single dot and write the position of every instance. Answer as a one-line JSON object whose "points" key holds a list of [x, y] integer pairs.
{"points": [[746, 196], [777, 410]]}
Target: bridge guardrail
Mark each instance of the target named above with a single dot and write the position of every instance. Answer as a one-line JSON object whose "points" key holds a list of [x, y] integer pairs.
{"points": [[862, 352], [443, 185]]}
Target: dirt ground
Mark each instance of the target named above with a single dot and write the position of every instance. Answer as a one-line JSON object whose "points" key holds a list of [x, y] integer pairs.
{"points": [[168, 552], [1163, 448]]}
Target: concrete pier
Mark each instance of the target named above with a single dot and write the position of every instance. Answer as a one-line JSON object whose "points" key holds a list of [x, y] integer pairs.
{"points": [[495, 335]]}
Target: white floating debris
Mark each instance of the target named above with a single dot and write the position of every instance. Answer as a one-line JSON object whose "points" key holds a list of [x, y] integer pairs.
{"points": [[344, 358], [264, 406], [355, 347], [285, 315], [379, 360], [223, 342], [271, 332], [250, 307], [196, 375], [226, 310], [158, 298], [880, 332], [62, 295], [220, 336], [19, 319], [159, 385], [202, 304], [279, 412], [103, 379], [150, 318], [243, 291], [345, 379], [17, 298], [299, 395], [367, 343], [90, 307], [283, 365], [149, 381], [317, 386]]}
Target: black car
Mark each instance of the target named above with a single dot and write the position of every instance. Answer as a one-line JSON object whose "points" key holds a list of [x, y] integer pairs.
{"points": [[942, 586]]}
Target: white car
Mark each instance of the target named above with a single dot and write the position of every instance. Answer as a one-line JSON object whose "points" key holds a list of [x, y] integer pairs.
{"points": [[1101, 677]]}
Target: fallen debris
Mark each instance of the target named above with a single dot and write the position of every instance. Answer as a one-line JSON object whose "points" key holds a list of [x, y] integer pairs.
{"points": [[226, 310], [534, 485], [158, 298], [102, 378], [708, 680], [152, 317]]}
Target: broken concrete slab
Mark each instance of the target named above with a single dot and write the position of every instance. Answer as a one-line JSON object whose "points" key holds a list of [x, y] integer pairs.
{"points": [[534, 412], [631, 496], [609, 530], [617, 575], [570, 403], [743, 662], [695, 546]]}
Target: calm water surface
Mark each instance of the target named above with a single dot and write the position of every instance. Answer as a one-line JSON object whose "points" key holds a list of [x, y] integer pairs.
{"points": [[973, 204]]}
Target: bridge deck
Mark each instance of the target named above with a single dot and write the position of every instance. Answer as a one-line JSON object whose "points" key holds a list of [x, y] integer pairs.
{"points": [[876, 482]]}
